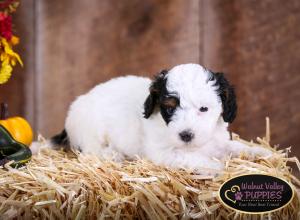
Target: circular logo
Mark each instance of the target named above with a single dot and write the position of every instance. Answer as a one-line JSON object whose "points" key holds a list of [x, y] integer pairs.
{"points": [[256, 193]]}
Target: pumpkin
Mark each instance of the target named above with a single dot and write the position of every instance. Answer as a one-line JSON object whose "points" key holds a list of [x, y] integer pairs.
{"points": [[12, 150], [18, 127]]}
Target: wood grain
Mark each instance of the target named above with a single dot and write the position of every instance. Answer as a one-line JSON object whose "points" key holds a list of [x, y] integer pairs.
{"points": [[82, 43], [257, 44]]}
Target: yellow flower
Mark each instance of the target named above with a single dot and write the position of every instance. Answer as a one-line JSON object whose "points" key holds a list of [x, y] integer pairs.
{"points": [[14, 40], [5, 72], [8, 50], [8, 58]]}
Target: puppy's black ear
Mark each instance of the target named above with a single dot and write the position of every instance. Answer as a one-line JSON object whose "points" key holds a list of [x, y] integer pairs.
{"points": [[228, 97], [156, 87]]}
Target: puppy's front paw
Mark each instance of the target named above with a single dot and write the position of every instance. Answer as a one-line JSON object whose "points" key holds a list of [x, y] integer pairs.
{"points": [[260, 151], [211, 169]]}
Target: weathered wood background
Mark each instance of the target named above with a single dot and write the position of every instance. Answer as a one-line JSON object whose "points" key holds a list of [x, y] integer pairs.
{"points": [[69, 46]]}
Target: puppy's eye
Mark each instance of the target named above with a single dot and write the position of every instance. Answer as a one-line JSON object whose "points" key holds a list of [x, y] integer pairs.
{"points": [[203, 109], [170, 110]]}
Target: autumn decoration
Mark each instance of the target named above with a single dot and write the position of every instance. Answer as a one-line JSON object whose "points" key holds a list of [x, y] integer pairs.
{"points": [[8, 57]]}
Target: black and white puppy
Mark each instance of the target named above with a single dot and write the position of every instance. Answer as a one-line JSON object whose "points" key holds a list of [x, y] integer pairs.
{"points": [[181, 121]]}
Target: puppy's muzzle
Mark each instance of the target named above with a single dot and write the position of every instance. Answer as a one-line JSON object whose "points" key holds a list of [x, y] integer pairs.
{"points": [[186, 136]]}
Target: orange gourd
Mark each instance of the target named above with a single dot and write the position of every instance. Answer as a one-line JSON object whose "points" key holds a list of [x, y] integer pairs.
{"points": [[18, 127]]}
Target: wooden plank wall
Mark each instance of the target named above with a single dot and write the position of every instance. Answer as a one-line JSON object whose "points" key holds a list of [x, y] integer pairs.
{"points": [[258, 44], [69, 46], [81, 43]]}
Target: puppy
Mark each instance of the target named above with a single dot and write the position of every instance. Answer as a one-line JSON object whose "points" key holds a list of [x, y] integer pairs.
{"points": [[179, 119]]}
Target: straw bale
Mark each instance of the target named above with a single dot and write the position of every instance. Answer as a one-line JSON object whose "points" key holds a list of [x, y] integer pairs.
{"points": [[69, 185]]}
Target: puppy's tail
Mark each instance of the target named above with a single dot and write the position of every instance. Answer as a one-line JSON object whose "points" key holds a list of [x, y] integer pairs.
{"points": [[56, 142], [60, 140]]}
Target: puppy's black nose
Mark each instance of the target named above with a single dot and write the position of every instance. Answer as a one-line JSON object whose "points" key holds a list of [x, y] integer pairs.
{"points": [[186, 136]]}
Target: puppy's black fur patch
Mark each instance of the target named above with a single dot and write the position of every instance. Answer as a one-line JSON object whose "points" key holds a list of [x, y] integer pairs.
{"points": [[168, 109], [227, 95], [158, 96], [157, 87]]}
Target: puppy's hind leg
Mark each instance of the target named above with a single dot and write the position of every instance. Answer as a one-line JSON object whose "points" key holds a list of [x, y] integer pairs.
{"points": [[101, 147]]}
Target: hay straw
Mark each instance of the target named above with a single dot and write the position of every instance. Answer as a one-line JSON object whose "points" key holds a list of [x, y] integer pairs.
{"points": [[59, 185]]}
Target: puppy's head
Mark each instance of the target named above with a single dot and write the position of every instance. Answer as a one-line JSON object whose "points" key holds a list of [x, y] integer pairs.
{"points": [[192, 101]]}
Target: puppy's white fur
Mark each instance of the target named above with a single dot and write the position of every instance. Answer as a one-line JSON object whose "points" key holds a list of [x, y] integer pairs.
{"points": [[108, 121]]}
